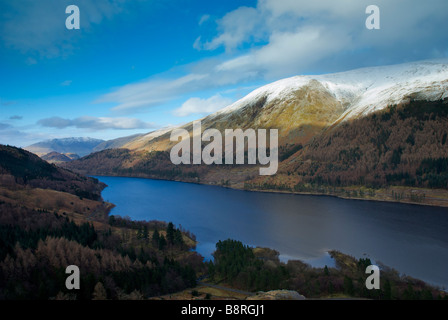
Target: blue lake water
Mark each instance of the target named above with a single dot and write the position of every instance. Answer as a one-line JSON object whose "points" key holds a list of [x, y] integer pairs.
{"points": [[412, 239]]}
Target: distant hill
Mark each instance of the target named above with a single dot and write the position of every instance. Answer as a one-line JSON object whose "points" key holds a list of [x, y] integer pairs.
{"points": [[74, 148], [80, 146], [72, 156], [21, 167], [56, 157]]}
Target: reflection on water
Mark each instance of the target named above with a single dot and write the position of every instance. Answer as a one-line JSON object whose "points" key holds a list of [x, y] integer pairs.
{"points": [[412, 239]]}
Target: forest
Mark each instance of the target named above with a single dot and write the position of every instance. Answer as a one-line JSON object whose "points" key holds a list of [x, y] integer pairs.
{"points": [[259, 269], [401, 145], [37, 246]]}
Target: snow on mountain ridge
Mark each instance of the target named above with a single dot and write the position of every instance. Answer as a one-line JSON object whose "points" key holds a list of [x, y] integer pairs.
{"points": [[363, 90], [74, 140]]}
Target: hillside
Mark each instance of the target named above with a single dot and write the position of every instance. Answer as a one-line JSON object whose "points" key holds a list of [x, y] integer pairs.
{"points": [[335, 130], [51, 218], [56, 157], [115, 143], [396, 154], [20, 167]]}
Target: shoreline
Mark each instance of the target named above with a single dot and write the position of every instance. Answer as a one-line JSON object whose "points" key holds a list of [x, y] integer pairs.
{"points": [[317, 194], [443, 204]]}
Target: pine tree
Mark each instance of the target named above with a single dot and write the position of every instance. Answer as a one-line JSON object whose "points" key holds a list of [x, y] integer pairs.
{"points": [[170, 233], [178, 240], [155, 237], [326, 272], [162, 242]]}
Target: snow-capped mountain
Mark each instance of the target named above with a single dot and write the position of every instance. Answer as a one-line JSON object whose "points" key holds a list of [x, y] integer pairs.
{"points": [[302, 106], [365, 90], [79, 145]]}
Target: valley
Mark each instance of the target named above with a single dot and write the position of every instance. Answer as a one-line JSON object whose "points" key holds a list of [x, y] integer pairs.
{"points": [[375, 133]]}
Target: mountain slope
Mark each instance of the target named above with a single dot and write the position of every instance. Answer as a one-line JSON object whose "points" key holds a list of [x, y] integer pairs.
{"points": [[55, 157], [399, 154], [115, 143]]}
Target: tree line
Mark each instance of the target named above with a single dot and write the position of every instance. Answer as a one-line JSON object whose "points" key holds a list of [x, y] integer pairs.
{"points": [[33, 258], [237, 264]]}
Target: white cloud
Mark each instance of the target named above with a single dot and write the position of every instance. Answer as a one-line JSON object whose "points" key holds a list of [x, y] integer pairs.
{"points": [[10, 135], [197, 44], [96, 123], [237, 27], [411, 29], [281, 38], [202, 106], [204, 19], [286, 51], [152, 92]]}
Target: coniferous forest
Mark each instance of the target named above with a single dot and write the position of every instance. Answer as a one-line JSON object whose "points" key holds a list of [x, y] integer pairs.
{"points": [[37, 246]]}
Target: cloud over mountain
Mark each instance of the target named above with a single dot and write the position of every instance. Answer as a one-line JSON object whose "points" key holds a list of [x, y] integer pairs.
{"points": [[96, 123], [277, 39], [202, 106]]}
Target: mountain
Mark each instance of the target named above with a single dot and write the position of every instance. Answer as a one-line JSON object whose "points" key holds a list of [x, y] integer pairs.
{"points": [[80, 146], [301, 106], [54, 150], [56, 157], [374, 127], [115, 143]]}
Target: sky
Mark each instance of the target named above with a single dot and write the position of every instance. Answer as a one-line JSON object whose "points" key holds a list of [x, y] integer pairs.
{"points": [[141, 65]]}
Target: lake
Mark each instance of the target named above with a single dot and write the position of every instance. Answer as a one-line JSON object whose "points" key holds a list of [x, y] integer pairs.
{"points": [[410, 238]]}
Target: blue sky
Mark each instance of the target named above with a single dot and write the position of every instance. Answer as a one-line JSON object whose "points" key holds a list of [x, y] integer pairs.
{"points": [[136, 66]]}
